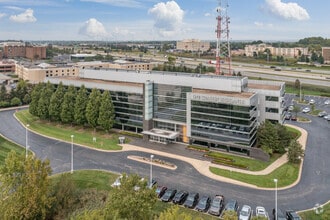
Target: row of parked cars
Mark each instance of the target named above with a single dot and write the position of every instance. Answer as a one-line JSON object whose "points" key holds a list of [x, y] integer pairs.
{"points": [[214, 206]]}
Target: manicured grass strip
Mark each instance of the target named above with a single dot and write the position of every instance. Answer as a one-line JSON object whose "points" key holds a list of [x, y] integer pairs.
{"points": [[252, 164], [63, 132], [7, 146], [286, 175], [311, 214]]}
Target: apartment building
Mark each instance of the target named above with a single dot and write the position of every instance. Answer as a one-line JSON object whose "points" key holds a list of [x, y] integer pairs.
{"points": [[193, 45]]}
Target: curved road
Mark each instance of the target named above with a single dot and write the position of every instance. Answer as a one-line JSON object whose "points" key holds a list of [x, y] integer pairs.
{"points": [[313, 187]]}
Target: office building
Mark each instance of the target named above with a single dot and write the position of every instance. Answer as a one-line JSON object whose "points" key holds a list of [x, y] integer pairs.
{"points": [[208, 110]]}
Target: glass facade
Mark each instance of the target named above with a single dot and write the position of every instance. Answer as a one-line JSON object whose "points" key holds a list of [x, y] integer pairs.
{"points": [[223, 123], [128, 110]]}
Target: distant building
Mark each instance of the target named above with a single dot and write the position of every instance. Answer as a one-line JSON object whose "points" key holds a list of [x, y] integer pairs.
{"points": [[326, 54], [193, 45], [250, 50], [20, 49], [7, 66]]}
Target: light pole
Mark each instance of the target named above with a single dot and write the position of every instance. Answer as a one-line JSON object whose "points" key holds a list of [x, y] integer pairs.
{"points": [[72, 153], [275, 181], [150, 182], [26, 140]]}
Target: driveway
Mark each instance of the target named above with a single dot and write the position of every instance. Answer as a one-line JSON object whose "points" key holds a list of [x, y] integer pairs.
{"points": [[312, 189]]}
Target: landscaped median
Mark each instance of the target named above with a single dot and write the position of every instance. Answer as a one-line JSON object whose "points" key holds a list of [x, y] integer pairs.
{"points": [[81, 135]]}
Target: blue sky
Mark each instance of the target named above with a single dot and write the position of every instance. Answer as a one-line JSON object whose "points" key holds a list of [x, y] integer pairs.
{"points": [[117, 20]]}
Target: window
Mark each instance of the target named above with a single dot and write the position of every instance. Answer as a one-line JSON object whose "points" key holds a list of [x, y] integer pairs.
{"points": [[272, 98], [272, 110]]}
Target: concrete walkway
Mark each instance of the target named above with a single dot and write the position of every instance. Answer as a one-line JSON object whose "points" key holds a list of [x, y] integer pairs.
{"points": [[203, 166]]}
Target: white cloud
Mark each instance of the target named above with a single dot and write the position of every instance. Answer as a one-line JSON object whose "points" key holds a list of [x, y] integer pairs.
{"points": [[121, 3], [167, 17], [25, 17], [258, 24], [2, 15], [14, 8], [289, 11], [207, 14], [93, 29]]}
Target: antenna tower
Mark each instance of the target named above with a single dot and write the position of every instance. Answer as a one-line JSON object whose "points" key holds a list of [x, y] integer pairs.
{"points": [[223, 54]]}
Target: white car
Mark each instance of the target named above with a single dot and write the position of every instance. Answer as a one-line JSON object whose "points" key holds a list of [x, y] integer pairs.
{"points": [[327, 102], [312, 102], [306, 110], [245, 213], [327, 117], [261, 212]]}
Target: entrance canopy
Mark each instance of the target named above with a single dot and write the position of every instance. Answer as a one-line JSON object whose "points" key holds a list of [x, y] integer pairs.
{"points": [[171, 135]]}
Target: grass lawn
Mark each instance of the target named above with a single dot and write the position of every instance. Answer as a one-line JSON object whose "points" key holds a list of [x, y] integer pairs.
{"points": [[286, 175], [311, 215], [252, 164], [83, 136], [7, 146]]}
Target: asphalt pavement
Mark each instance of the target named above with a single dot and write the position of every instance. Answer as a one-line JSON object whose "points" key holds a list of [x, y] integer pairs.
{"points": [[312, 188]]}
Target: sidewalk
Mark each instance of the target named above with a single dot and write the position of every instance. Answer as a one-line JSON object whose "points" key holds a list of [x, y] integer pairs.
{"points": [[202, 165]]}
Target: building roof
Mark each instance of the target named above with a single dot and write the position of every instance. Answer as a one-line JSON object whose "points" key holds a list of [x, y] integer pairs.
{"points": [[223, 93], [264, 86]]}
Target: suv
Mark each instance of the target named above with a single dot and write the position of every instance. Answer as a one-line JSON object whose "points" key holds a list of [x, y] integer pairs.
{"points": [[292, 215], [231, 205], [216, 205]]}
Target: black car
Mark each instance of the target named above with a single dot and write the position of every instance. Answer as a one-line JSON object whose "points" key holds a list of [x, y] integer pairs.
{"points": [[231, 205], [180, 197], [280, 215], [203, 204], [168, 195], [292, 215], [216, 205], [160, 190], [191, 200]]}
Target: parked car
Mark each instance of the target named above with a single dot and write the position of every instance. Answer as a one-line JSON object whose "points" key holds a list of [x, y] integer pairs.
{"points": [[261, 212], [191, 200], [291, 107], [168, 195], [312, 102], [327, 117], [306, 110], [216, 205], [292, 215], [288, 116], [203, 204], [231, 205], [280, 214], [322, 114], [160, 190], [327, 102], [180, 197], [293, 118], [245, 213]]}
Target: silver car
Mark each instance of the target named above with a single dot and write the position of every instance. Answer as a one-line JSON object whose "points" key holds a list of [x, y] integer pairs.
{"points": [[245, 213]]}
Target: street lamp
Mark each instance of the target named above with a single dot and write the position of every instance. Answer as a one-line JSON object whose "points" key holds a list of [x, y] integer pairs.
{"points": [[150, 182], [275, 181], [26, 140], [72, 153]]}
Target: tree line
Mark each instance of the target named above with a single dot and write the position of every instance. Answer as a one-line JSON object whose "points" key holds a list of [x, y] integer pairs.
{"points": [[72, 106], [18, 95]]}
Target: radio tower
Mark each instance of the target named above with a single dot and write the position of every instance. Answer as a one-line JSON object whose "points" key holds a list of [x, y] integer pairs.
{"points": [[223, 56]]}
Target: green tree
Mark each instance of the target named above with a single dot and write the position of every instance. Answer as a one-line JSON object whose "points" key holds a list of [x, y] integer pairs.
{"points": [[35, 96], [267, 137], [21, 89], [44, 101], [3, 93], [55, 103], [25, 187], [295, 152], [106, 112], [27, 99], [174, 213], [80, 106], [126, 202], [284, 137], [92, 108], [15, 101], [229, 215], [67, 107]]}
